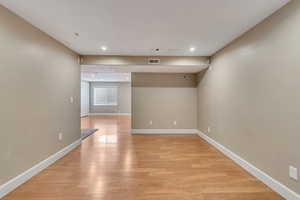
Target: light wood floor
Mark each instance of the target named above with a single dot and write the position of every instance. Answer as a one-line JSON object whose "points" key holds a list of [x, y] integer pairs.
{"points": [[114, 165]]}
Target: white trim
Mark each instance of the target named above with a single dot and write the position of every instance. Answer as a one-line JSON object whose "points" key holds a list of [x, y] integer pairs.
{"points": [[164, 131], [95, 114], [275, 185], [25, 176]]}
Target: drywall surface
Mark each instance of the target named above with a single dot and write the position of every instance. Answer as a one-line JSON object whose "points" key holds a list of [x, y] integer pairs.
{"points": [[250, 96], [38, 77], [158, 100]]}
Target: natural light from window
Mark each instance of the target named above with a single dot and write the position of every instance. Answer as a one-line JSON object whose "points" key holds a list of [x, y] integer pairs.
{"points": [[106, 96]]}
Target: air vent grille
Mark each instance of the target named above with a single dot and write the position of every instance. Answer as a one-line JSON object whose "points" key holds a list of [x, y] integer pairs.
{"points": [[153, 61]]}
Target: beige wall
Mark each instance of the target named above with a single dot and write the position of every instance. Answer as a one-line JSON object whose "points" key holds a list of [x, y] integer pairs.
{"points": [[37, 77], [163, 99], [143, 60], [124, 98], [250, 96]]}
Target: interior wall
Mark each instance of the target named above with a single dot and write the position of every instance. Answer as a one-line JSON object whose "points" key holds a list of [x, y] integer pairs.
{"points": [[249, 97], [38, 77], [143, 60], [163, 99], [124, 98], [85, 99]]}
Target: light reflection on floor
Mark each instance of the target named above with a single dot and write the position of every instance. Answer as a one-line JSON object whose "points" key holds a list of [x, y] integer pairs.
{"points": [[108, 139]]}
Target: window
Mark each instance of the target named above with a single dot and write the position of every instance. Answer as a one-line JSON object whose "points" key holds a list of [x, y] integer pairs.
{"points": [[106, 96]]}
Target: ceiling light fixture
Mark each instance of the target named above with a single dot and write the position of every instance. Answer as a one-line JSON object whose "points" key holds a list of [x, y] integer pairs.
{"points": [[192, 49], [104, 48]]}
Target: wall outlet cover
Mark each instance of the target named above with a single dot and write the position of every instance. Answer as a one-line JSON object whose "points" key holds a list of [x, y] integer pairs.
{"points": [[293, 172]]}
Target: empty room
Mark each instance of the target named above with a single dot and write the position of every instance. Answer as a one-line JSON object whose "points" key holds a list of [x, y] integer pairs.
{"points": [[149, 100]]}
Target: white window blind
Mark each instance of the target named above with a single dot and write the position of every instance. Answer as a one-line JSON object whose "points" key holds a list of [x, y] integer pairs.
{"points": [[106, 96]]}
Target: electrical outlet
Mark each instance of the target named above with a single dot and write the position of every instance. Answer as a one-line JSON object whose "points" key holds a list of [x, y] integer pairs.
{"points": [[175, 123], [293, 172], [150, 122], [60, 136], [71, 99], [208, 129]]}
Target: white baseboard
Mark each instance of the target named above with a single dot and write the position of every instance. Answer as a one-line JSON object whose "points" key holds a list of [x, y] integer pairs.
{"points": [[25, 176], [164, 131], [275, 185], [95, 114]]}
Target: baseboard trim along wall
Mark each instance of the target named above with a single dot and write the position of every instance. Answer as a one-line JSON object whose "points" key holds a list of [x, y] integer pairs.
{"points": [[95, 114], [265, 178], [25, 176], [164, 131]]}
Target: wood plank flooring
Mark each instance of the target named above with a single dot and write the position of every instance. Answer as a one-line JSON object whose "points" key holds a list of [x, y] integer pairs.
{"points": [[115, 165]]}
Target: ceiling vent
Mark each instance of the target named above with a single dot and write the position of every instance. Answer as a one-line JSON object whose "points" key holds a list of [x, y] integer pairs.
{"points": [[153, 61]]}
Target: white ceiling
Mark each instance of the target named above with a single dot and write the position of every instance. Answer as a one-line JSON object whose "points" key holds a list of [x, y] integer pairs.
{"points": [[105, 77], [136, 27]]}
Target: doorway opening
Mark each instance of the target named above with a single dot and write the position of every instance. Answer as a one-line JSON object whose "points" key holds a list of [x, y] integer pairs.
{"points": [[105, 103]]}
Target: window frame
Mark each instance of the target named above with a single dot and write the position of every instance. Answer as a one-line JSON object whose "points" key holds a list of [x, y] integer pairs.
{"points": [[103, 87]]}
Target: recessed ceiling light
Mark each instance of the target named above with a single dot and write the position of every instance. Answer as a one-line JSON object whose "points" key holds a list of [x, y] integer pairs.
{"points": [[192, 49], [104, 48]]}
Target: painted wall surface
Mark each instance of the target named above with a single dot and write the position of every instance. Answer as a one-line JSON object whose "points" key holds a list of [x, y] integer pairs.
{"points": [[163, 99], [143, 60], [250, 96], [37, 78], [85, 98], [124, 98]]}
